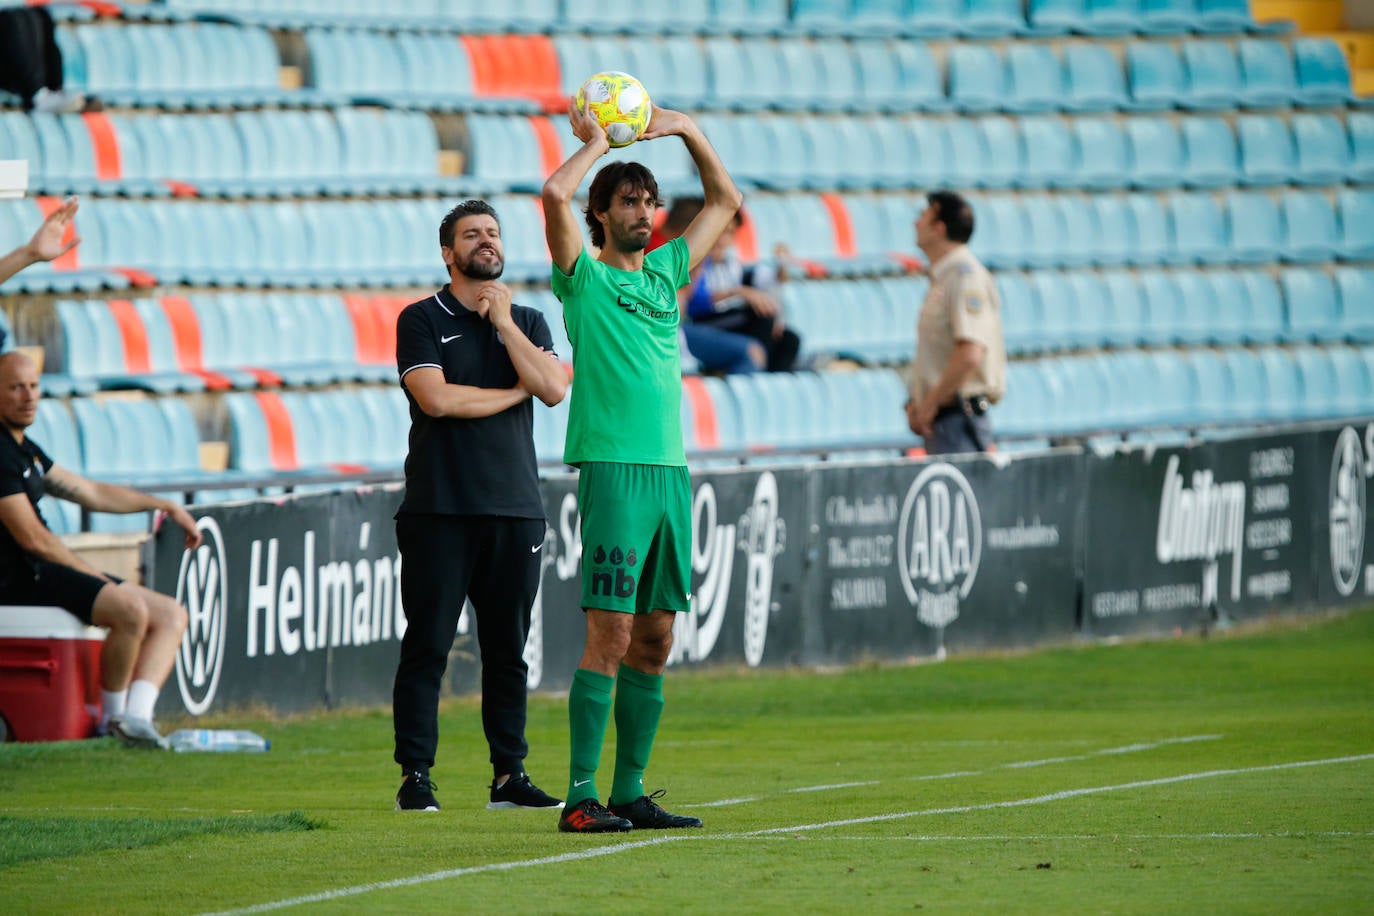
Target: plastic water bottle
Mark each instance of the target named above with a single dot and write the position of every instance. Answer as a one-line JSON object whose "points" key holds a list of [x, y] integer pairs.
{"points": [[216, 739]]}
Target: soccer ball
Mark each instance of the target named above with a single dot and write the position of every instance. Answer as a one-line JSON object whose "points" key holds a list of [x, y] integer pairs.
{"points": [[620, 104]]}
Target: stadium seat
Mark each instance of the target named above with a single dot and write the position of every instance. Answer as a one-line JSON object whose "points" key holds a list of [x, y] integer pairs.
{"points": [[1213, 75], [1323, 72], [1165, 308], [931, 18], [1199, 230], [1094, 79], [1156, 153], [1249, 385], [1035, 79], [991, 18], [1283, 384], [1151, 230], [1356, 289], [1314, 312], [1356, 211], [1266, 150], [1103, 153], [966, 158], [1323, 150], [1310, 228], [1022, 323], [1254, 227], [1201, 313], [922, 84], [1048, 148], [1167, 17], [1002, 152], [1320, 385], [874, 18], [1266, 319], [977, 79], [1211, 155], [1268, 78], [1116, 240], [1158, 80], [1361, 127], [1227, 326], [1351, 382], [1055, 17], [1127, 317]]}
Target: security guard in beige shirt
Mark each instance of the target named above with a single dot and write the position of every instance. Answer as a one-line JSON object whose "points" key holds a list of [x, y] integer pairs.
{"points": [[960, 368]]}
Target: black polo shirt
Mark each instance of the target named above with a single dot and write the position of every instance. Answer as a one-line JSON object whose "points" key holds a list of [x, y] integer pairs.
{"points": [[22, 467], [478, 466]]}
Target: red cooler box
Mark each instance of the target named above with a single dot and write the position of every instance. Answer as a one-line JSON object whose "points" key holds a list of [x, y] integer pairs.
{"points": [[49, 673]]}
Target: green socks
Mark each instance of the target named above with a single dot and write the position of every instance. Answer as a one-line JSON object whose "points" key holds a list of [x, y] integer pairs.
{"points": [[638, 705], [589, 706]]}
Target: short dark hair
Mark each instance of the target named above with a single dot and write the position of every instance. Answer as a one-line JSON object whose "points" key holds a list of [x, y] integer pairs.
{"points": [[604, 186], [466, 208], [955, 212]]}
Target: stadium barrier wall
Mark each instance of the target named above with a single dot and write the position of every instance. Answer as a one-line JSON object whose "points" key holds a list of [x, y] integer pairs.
{"points": [[295, 602]]}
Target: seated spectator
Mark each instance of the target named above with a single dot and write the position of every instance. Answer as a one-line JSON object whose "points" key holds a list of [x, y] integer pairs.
{"points": [[718, 350], [37, 568], [738, 297]]}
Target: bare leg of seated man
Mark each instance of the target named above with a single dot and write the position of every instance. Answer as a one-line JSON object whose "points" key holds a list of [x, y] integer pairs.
{"points": [[145, 630]]}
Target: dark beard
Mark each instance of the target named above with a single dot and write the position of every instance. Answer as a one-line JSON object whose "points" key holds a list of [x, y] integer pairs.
{"points": [[485, 271]]}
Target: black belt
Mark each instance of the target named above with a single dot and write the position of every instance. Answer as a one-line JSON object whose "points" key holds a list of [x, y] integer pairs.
{"points": [[975, 406]]}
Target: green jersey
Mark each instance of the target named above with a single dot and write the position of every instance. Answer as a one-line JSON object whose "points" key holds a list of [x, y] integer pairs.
{"points": [[627, 371]]}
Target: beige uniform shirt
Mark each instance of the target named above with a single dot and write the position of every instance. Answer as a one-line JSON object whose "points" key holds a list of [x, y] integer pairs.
{"points": [[962, 304]]}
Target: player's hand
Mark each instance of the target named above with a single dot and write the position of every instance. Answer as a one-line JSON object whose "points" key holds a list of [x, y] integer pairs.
{"points": [[666, 122], [188, 524], [584, 124], [493, 303], [46, 243]]}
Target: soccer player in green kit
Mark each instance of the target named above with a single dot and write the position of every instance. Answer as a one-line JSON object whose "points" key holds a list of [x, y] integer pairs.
{"points": [[625, 436]]}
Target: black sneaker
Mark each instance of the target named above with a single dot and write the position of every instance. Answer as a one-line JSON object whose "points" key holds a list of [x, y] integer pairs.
{"points": [[588, 816], [645, 814], [417, 793], [519, 792]]}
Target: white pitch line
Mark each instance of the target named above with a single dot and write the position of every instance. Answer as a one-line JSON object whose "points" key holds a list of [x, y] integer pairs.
{"points": [[580, 855], [1059, 796], [725, 802], [837, 785], [1110, 837]]}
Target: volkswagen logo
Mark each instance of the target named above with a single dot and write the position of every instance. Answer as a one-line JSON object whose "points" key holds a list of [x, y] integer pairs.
{"points": [[203, 588]]}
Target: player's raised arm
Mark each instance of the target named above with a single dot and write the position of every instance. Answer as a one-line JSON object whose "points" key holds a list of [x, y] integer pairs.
{"points": [[723, 199], [561, 228]]}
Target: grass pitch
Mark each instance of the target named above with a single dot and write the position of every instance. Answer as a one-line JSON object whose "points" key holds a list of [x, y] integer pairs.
{"points": [[1233, 774]]}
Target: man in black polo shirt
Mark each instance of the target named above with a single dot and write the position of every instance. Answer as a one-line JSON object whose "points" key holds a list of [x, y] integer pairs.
{"points": [[472, 521]]}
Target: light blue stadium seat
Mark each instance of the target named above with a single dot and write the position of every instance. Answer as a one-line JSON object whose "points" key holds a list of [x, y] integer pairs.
{"points": [[1021, 325], [977, 78], [1164, 308], [1113, 17], [1022, 409], [1224, 15], [1317, 373], [1323, 72], [748, 16], [1310, 229], [933, 18], [1035, 79], [1002, 154], [1055, 17], [816, 17], [1058, 309], [1174, 389], [1094, 309], [1352, 382], [1213, 75], [1249, 386], [1266, 318], [1356, 288], [1268, 78], [1211, 155], [1199, 230], [1042, 244], [1314, 312], [1283, 383], [1048, 149], [966, 158], [1228, 325], [1201, 313], [874, 18], [55, 431], [1116, 240], [1356, 209], [1156, 153], [1323, 150], [922, 84], [1078, 220], [1167, 17], [880, 77], [1103, 153], [1094, 79], [992, 18], [1267, 156], [1361, 127], [1157, 77], [1255, 228], [1127, 317], [1151, 227]]}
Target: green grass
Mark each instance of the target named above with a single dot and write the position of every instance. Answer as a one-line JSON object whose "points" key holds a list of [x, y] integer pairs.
{"points": [[1141, 778]]}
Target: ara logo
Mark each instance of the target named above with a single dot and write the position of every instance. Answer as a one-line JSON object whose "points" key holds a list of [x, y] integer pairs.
{"points": [[203, 588], [1347, 507], [609, 575], [939, 543]]}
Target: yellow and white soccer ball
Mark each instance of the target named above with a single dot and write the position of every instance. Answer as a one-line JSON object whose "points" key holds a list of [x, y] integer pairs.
{"points": [[619, 103]]}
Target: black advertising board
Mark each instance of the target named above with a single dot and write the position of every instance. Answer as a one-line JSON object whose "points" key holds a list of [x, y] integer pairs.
{"points": [[916, 557], [1343, 539], [1179, 536]]}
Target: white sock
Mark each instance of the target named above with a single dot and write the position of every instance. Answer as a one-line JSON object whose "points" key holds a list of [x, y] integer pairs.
{"points": [[112, 703], [142, 697]]}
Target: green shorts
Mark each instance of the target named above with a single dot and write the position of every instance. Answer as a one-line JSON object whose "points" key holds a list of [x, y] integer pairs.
{"points": [[636, 537]]}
